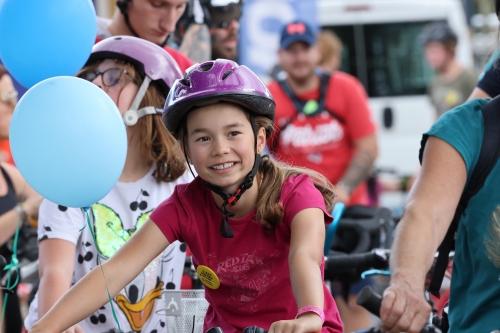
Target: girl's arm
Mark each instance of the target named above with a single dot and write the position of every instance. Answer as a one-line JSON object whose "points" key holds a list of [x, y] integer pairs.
{"points": [[305, 258], [56, 265], [90, 293]]}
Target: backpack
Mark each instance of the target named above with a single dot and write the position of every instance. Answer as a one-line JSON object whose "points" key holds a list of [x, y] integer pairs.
{"points": [[488, 156], [304, 107]]}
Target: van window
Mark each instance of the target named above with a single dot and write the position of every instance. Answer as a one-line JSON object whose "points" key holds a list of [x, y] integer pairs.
{"points": [[386, 58]]}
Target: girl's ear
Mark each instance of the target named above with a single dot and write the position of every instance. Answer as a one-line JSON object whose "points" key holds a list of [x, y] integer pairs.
{"points": [[261, 140]]}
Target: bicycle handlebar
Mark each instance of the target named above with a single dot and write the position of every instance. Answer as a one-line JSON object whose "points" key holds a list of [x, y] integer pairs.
{"points": [[372, 301], [375, 259]]}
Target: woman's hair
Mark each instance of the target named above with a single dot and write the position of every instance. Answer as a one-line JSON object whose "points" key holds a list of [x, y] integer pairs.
{"points": [[157, 144], [328, 43], [272, 175]]}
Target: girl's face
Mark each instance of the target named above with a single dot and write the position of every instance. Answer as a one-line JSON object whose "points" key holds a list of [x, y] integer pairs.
{"points": [[123, 91], [221, 144]]}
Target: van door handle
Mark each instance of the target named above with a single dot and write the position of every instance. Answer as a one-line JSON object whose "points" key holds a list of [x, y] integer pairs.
{"points": [[388, 117]]}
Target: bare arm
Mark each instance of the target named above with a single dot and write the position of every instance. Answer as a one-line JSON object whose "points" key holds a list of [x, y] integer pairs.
{"points": [[478, 93], [31, 199], [305, 258], [9, 220], [90, 292], [360, 166], [196, 43], [56, 263], [427, 216]]}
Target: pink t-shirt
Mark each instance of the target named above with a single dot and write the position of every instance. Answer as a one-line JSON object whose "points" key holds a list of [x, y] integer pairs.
{"points": [[255, 287]]}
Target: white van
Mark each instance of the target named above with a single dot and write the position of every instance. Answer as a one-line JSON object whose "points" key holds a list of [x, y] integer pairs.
{"points": [[382, 51]]}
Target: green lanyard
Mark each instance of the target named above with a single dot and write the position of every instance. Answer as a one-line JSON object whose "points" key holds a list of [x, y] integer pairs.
{"points": [[87, 217]]}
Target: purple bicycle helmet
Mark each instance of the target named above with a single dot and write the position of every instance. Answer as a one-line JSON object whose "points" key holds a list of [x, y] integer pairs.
{"points": [[152, 61], [216, 81], [220, 81]]}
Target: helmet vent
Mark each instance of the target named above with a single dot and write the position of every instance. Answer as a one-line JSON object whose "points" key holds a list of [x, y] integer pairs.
{"points": [[226, 74], [206, 67], [185, 82]]}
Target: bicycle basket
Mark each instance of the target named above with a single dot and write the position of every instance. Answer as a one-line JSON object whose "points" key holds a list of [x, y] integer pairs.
{"points": [[185, 310]]}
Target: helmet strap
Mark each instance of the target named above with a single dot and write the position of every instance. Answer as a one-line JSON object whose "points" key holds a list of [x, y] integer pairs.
{"points": [[232, 199], [133, 114]]}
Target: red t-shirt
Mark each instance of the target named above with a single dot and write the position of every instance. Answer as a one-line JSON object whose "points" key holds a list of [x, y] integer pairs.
{"points": [[255, 287], [183, 61], [322, 142]]}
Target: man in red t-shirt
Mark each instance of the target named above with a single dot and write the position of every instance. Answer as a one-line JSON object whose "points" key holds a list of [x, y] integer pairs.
{"points": [[152, 20], [323, 120]]}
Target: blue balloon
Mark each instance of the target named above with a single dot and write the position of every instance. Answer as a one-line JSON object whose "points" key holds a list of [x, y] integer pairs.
{"points": [[40, 39], [69, 141]]}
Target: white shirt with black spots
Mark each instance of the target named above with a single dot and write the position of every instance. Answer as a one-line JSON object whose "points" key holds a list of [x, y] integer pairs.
{"points": [[115, 219]]}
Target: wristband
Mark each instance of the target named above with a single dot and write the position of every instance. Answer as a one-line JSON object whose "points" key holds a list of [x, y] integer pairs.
{"points": [[314, 309]]}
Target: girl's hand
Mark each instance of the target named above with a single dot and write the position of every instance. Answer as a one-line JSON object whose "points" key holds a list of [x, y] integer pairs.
{"points": [[306, 323]]}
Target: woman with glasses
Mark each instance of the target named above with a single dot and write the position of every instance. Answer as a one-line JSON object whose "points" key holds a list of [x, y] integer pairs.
{"points": [[16, 198], [137, 75]]}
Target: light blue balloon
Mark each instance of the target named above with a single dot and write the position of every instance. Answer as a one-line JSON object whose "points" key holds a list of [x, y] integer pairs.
{"points": [[69, 141], [40, 39]]}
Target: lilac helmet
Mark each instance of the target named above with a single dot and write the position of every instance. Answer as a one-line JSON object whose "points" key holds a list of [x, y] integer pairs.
{"points": [[152, 61], [216, 81]]}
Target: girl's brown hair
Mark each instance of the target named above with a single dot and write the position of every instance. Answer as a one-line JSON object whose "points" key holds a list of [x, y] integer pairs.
{"points": [[271, 176], [157, 144]]}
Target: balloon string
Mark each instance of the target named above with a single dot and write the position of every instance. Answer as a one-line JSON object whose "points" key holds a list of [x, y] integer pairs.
{"points": [[14, 262], [86, 210]]}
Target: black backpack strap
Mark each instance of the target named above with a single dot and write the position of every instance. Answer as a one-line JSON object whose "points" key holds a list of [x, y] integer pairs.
{"points": [[488, 156], [299, 105]]}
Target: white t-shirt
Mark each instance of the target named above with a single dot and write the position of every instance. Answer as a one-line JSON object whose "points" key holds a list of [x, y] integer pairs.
{"points": [[115, 219]]}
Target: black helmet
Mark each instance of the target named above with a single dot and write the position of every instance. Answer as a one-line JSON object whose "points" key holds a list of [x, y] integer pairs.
{"points": [[437, 32]]}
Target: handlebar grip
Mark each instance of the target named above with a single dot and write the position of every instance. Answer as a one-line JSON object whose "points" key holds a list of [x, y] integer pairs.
{"points": [[253, 329], [357, 260], [215, 330], [370, 300]]}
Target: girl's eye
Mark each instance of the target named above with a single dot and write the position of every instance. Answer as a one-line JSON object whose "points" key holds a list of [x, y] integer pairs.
{"points": [[157, 4], [202, 139], [234, 133]]}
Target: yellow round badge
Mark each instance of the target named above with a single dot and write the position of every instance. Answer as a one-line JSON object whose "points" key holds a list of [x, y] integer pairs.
{"points": [[208, 277]]}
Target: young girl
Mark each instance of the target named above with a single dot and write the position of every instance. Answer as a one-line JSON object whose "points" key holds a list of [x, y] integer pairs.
{"points": [[137, 75], [256, 229]]}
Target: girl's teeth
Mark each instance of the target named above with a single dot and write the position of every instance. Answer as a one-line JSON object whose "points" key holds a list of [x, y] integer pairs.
{"points": [[223, 166]]}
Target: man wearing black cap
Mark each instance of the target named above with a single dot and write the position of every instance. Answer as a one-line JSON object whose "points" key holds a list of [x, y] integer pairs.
{"points": [[453, 83], [324, 123]]}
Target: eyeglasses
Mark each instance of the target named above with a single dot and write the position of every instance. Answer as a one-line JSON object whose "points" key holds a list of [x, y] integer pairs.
{"points": [[110, 77], [9, 97]]}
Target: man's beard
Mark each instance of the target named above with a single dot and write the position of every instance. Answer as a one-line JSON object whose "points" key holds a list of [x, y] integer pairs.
{"points": [[218, 50]]}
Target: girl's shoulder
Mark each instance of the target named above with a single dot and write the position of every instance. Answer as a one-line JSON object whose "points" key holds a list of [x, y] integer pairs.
{"points": [[297, 182]]}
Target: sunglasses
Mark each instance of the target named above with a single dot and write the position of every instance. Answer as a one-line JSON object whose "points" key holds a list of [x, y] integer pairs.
{"points": [[9, 97], [110, 77], [223, 15]]}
